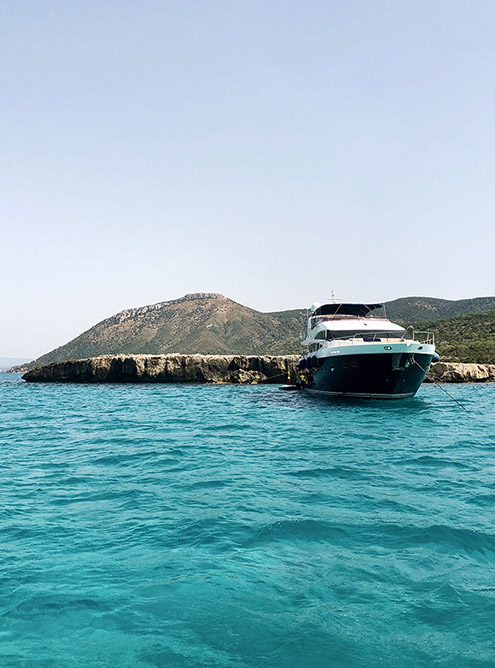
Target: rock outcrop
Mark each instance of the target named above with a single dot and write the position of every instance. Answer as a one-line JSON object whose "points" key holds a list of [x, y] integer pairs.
{"points": [[457, 372], [246, 369], [243, 369]]}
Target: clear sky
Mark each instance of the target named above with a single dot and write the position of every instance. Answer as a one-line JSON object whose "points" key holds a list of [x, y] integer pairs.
{"points": [[270, 150]]}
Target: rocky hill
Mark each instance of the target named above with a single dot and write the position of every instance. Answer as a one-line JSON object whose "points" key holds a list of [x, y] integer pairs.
{"points": [[211, 324], [203, 323]]}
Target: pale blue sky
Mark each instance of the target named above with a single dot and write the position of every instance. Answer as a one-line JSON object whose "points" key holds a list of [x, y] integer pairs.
{"points": [[272, 151]]}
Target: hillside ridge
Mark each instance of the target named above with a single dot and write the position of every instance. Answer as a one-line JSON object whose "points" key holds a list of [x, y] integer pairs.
{"points": [[211, 323], [141, 310], [415, 309]]}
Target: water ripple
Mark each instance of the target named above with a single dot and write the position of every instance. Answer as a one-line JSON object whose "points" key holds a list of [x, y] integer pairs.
{"points": [[245, 527]]}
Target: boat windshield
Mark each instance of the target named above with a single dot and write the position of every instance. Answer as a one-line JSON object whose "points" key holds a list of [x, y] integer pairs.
{"points": [[368, 335]]}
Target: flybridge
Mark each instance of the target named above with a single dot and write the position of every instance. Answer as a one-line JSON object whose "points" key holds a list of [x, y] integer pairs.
{"points": [[346, 309]]}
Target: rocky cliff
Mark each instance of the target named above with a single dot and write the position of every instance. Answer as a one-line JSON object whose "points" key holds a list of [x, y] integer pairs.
{"points": [[168, 369], [214, 369], [456, 372]]}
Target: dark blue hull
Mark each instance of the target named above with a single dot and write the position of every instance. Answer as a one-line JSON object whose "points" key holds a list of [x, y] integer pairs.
{"points": [[380, 376]]}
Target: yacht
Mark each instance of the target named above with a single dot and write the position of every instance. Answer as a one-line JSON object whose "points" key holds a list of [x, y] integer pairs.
{"points": [[349, 352]]}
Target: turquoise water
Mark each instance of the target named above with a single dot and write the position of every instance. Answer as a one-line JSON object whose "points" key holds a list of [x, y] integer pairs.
{"points": [[196, 526]]}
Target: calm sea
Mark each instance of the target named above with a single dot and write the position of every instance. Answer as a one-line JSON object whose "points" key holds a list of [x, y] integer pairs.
{"points": [[224, 526]]}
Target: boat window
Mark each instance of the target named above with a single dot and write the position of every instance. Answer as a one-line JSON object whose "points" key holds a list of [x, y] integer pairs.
{"points": [[368, 334], [320, 335]]}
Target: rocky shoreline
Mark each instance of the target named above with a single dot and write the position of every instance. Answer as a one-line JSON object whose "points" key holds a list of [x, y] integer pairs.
{"points": [[458, 372], [238, 369]]}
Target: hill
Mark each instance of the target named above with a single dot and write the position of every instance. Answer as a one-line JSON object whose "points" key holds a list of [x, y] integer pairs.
{"points": [[465, 338], [210, 323], [197, 323], [7, 363], [417, 309]]}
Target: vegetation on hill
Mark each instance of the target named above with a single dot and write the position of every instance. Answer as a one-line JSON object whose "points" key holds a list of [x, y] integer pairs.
{"points": [[202, 323], [465, 338], [416, 309], [213, 324]]}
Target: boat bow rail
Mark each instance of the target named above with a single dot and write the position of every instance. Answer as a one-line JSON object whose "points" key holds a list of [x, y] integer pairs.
{"points": [[426, 338], [368, 338]]}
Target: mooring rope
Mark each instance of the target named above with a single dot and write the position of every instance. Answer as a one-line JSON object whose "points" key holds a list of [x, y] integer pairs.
{"points": [[268, 378], [438, 385]]}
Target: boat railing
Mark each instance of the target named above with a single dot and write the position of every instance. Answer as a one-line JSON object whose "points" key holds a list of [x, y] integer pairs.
{"points": [[427, 338], [388, 337], [371, 337]]}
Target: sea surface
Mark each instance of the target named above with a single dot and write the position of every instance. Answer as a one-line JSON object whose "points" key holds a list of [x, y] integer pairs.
{"points": [[241, 526]]}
